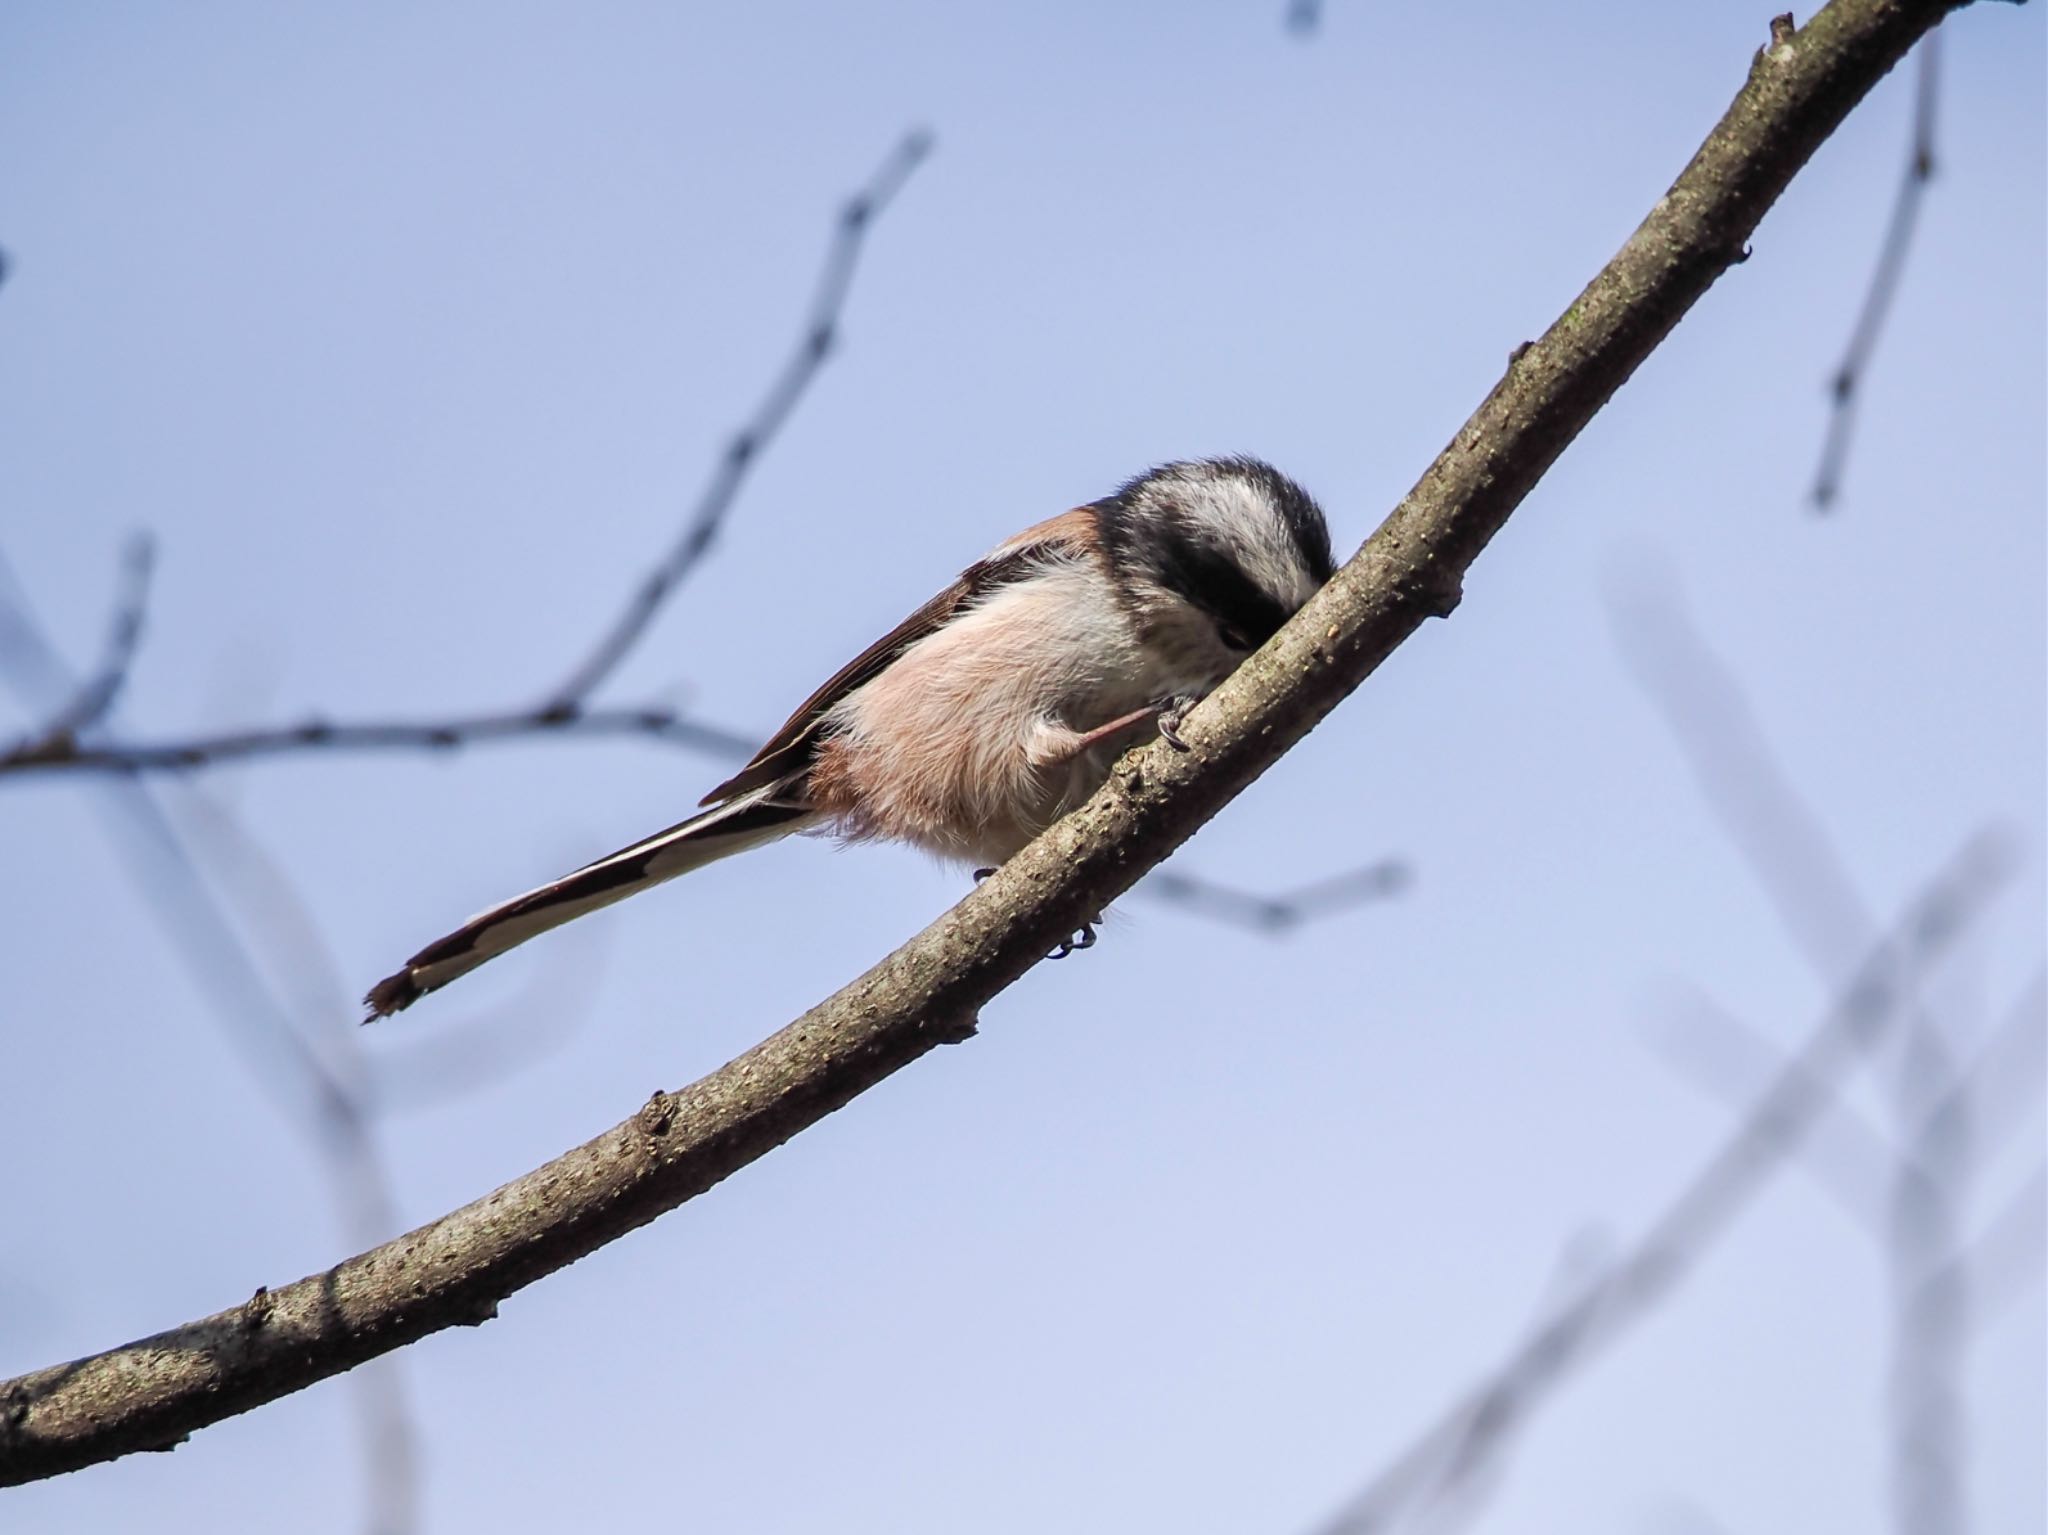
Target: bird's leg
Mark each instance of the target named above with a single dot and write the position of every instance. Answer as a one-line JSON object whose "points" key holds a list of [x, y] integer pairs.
{"points": [[1084, 939], [1162, 714], [1102, 733]]}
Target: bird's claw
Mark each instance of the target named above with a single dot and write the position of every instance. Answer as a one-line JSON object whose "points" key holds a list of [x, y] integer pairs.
{"points": [[1084, 939], [1171, 712]]}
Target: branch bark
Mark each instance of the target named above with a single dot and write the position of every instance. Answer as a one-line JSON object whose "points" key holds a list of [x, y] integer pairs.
{"points": [[150, 1394]]}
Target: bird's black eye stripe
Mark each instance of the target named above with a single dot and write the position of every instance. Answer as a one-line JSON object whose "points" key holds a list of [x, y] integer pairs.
{"points": [[1246, 614]]}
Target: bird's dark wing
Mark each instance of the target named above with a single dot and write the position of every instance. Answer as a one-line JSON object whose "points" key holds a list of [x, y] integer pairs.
{"points": [[791, 749]]}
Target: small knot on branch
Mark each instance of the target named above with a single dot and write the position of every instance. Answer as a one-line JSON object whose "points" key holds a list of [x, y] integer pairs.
{"points": [[1437, 599], [256, 1310], [958, 1031], [658, 1115]]}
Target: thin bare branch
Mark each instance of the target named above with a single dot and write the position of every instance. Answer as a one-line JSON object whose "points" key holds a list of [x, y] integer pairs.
{"points": [[1284, 913], [94, 696], [1853, 1159], [454, 1270], [2003, 1083], [1722, 1054], [662, 725], [208, 850], [2005, 1258], [1930, 1299], [1777, 831], [311, 1078], [1466, 1445], [814, 346], [563, 714], [1933, 1143], [1848, 377]]}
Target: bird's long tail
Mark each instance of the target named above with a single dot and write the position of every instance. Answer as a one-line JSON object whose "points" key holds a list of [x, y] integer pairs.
{"points": [[747, 821]]}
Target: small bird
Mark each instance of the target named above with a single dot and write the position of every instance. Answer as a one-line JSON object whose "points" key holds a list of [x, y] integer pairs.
{"points": [[992, 710]]}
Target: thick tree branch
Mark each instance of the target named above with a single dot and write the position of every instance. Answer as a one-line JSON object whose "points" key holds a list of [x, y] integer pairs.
{"points": [[456, 1269]]}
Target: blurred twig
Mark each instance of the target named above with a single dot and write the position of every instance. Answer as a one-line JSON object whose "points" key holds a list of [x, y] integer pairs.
{"points": [[1446, 1470], [1936, 1127], [2003, 1080], [1275, 915], [1465, 1446], [92, 697], [311, 1077], [1730, 1059], [1304, 17], [563, 711], [1934, 1171], [2006, 1253], [1996, 1092], [47, 752], [455, 1061], [821, 331], [1884, 281], [1975, 1275], [1728, 753]]}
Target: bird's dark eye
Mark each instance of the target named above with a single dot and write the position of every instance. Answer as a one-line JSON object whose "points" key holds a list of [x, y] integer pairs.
{"points": [[1234, 638]]}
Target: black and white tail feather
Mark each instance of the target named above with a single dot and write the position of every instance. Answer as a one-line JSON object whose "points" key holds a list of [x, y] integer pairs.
{"points": [[747, 821]]}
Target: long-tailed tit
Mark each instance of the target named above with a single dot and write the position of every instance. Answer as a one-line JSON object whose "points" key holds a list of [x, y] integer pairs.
{"points": [[993, 709]]}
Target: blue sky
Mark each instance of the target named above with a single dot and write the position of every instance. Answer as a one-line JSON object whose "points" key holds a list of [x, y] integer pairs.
{"points": [[410, 331]]}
